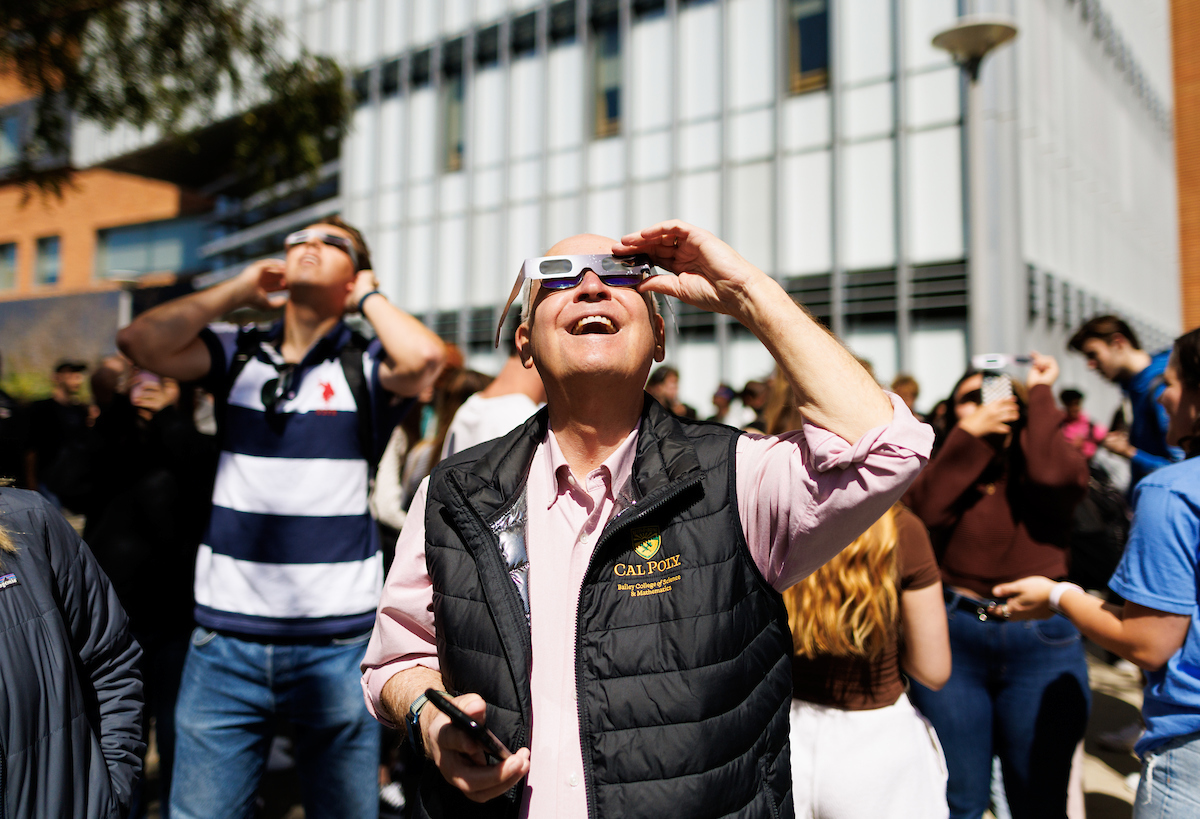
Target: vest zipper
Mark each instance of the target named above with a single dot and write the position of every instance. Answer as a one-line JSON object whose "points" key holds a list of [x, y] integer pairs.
{"points": [[524, 634], [616, 525], [3, 780]]}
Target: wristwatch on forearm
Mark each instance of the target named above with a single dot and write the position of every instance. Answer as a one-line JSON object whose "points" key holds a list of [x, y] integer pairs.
{"points": [[413, 722]]}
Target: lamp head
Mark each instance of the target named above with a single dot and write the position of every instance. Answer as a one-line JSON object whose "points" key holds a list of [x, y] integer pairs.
{"points": [[972, 38]]}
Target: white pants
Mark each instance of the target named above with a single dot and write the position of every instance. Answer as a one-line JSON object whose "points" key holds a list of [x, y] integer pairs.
{"points": [[864, 764]]}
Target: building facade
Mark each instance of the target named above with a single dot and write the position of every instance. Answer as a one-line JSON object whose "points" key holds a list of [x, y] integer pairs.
{"points": [[823, 139], [68, 262]]}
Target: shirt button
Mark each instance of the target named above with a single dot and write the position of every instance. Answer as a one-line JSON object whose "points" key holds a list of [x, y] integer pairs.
{"points": [[573, 780]]}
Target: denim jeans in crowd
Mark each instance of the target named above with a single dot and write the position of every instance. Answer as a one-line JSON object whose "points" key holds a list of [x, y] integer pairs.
{"points": [[1018, 690], [234, 692], [1170, 786]]}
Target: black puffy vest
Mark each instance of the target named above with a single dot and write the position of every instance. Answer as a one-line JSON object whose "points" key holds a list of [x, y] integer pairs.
{"points": [[683, 665]]}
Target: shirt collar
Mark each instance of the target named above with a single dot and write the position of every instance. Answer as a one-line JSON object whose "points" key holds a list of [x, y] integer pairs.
{"points": [[328, 346], [615, 470]]}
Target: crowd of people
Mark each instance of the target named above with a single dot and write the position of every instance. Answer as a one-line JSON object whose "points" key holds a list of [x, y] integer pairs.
{"points": [[817, 602]]}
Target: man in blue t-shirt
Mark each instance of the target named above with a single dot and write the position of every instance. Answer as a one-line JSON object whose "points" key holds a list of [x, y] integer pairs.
{"points": [[1112, 349], [289, 573]]}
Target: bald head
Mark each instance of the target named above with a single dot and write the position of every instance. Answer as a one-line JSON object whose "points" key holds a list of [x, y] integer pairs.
{"points": [[584, 243]]}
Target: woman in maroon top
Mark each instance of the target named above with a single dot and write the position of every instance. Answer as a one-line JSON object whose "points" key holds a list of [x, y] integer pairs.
{"points": [[998, 499]]}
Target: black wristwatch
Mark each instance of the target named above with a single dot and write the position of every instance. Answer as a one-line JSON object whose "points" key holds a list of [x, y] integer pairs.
{"points": [[413, 723]]}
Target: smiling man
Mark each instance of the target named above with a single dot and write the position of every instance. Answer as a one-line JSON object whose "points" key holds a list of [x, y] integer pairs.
{"points": [[289, 573], [603, 583]]}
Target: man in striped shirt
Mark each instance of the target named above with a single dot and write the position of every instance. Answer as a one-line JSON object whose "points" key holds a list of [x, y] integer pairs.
{"points": [[289, 573]]}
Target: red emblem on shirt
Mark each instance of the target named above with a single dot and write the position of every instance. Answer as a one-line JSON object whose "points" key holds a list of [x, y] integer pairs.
{"points": [[326, 391]]}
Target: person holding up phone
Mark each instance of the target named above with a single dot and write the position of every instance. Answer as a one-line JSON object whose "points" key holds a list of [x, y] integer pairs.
{"points": [[998, 499]]}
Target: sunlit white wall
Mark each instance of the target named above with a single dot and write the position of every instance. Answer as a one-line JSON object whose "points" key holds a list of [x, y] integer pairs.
{"points": [[864, 175]]}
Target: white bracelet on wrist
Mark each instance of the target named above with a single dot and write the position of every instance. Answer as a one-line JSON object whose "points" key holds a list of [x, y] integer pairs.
{"points": [[1057, 592]]}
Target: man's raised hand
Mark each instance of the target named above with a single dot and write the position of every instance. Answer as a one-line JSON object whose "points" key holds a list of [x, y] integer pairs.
{"points": [[709, 274], [364, 283], [260, 283]]}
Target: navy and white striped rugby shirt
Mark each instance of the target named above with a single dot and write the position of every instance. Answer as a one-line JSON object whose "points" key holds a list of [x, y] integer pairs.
{"points": [[291, 549]]}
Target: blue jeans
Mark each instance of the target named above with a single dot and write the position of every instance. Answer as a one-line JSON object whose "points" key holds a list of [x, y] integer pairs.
{"points": [[1170, 776], [233, 691], [1018, 690]]}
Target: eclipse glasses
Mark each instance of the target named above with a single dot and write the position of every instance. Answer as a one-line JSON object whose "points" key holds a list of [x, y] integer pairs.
{"points": [[565, 272], [998, 361], [342, 243]]}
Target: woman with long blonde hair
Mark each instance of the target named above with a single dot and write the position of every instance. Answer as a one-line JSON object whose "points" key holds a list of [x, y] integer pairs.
{"points": [[859, 748]]}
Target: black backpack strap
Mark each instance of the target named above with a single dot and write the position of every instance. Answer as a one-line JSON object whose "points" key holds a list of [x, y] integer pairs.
{"points": [[247, 345], [351, 358]]}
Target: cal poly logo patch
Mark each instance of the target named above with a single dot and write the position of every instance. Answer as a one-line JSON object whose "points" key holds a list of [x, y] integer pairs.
{"points": [[653, 577], [646, 541], [7, 580]]}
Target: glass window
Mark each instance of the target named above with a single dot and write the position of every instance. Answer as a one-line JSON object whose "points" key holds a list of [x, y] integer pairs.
{"points": [[649, 8], [8, 266], [808, 45], [362, 86], [452, 119], [420, 75], [606, 58], [157, 247], [389, 82], [487, 47], [46, 270], [562, 23], [524, 34], [10, 140], [453, 90]]}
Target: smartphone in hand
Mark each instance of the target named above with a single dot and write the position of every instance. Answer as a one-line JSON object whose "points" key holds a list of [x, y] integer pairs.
{"points": [[996, 387], [494, 750]]}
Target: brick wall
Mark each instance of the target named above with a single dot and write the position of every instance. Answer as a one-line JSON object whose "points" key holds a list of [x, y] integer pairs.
{"points": [[1185, 47], [97, 199]]}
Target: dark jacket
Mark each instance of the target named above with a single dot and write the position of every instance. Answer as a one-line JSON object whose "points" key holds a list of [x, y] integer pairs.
{"points": [[153, 480], [682, 654], [70, 692]]}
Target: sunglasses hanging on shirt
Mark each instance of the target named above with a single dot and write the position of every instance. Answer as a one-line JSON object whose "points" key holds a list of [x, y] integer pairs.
{"points": [[278, 389]]}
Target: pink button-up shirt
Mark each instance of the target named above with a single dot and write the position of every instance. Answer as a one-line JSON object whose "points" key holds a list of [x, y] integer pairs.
{"points": [[802, 497]]}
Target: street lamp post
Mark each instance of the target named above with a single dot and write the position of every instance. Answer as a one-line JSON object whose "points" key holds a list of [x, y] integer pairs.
{"points": [[127, 280], [968, 41]]}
